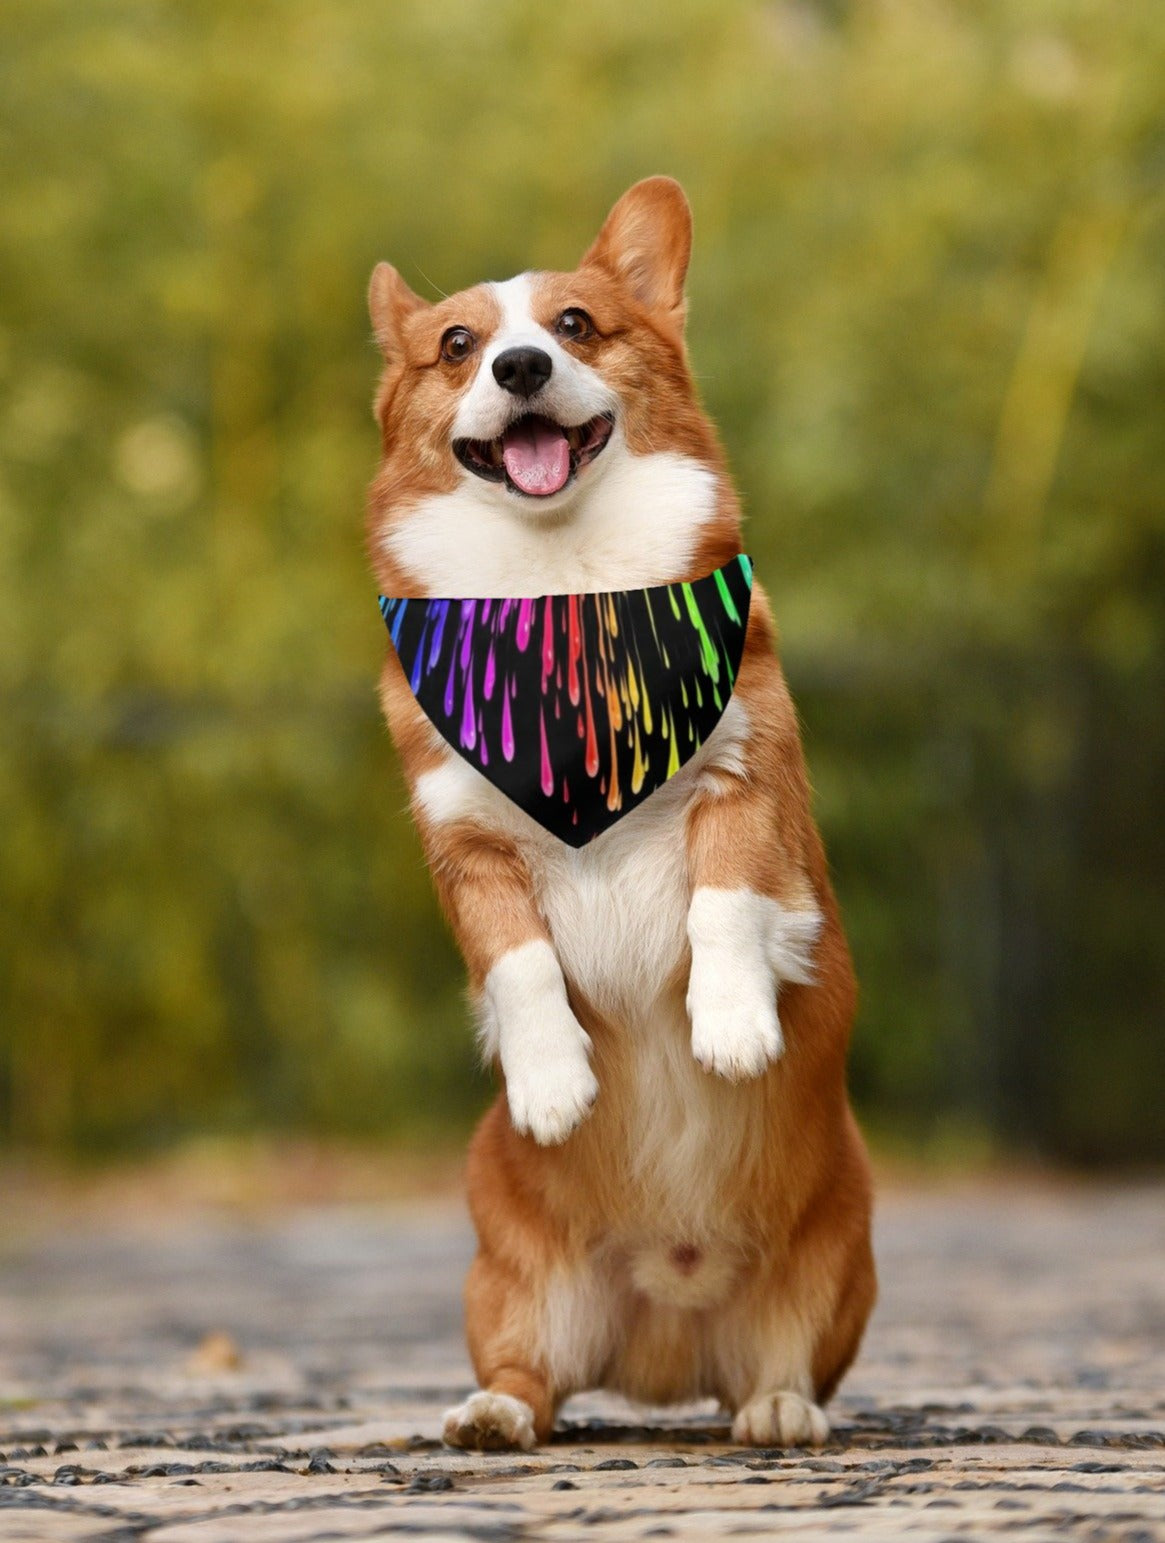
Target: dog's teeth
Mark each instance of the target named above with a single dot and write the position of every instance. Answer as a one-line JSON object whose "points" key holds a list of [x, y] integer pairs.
{"points": [[494, 449], [574, 438]]}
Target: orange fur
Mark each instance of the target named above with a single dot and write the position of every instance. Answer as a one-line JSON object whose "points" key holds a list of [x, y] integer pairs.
{"points": [[606, 1261]]}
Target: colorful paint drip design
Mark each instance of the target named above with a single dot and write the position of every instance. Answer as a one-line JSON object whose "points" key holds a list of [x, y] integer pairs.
{"points": [[577, 707]]}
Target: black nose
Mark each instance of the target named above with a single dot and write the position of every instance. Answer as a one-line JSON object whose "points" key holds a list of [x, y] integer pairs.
{"points": [[522, 370]]}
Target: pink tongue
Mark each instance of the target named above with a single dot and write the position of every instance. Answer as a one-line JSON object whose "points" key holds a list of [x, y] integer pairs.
{"points": [[537, 456]]}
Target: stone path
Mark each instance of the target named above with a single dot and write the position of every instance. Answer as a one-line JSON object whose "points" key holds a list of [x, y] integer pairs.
{"points": [[1012, 1385]]}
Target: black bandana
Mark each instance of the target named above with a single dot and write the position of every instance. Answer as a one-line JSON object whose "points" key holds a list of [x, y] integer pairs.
{"points": [[577, 707]]}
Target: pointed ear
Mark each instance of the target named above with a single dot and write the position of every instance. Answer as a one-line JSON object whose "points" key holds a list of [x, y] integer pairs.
{"points": [[646, 242], [390, 301]]}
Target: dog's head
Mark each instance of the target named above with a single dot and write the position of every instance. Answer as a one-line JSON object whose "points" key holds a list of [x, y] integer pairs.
{"points": [[513, 412]]}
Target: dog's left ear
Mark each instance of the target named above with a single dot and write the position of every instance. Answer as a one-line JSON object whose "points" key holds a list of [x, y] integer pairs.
{"points": [[646, 242], [390, 303]]}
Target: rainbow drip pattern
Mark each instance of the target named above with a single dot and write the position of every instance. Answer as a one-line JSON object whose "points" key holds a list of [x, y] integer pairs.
{"points": [[577, 707]]}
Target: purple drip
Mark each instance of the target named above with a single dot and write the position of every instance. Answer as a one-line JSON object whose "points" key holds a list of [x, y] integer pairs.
{"points": [[525, 622], [467, 609], [490, 674], [468, 716], [440, 611]]}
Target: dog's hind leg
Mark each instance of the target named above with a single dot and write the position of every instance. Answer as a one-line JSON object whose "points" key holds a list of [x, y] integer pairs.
{"points": [[515, 1402], [535, 1337], [787, 1341]]}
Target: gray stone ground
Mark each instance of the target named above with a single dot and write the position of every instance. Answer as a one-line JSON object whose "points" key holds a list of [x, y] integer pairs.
{"points": [[1012, 1384]]}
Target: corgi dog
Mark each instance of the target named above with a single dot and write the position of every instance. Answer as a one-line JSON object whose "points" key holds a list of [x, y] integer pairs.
{"points": [[671, 1196]]}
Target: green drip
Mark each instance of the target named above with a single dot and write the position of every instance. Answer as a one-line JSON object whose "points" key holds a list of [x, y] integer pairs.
{"points": [[662, 653], [707, 648], [726, 598]]}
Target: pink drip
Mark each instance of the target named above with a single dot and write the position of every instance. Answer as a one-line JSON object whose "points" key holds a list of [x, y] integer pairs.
{"points": [[547, 642], [525, 621], [547, 774], [507, 727], [490, 674], [574, 649]]}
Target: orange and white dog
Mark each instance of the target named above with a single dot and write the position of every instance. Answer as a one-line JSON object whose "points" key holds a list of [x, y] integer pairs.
{"points": [[671, 1197]]}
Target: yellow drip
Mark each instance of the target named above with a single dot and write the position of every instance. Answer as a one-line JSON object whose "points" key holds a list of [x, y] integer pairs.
{"points": [[639, 769]]}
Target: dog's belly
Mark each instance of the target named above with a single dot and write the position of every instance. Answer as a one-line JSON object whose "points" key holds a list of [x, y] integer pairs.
{"points": [[673, 1134], [617, 911]]}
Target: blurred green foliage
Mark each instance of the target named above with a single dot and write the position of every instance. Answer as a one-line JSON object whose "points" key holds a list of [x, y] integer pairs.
{"points": [[928, 312]]}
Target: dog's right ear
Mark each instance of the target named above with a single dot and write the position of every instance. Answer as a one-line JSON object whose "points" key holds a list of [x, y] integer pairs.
{"points": [[390, 302]]}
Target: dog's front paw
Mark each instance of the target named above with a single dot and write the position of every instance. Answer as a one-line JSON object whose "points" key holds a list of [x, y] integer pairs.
{"points": [[550, 1096], [490, 1422], [544, 1050], [780, 1420], [734, 1037]]}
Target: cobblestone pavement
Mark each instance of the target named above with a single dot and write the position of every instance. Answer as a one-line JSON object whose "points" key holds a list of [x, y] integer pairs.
{"points": [[1012, 1384]]}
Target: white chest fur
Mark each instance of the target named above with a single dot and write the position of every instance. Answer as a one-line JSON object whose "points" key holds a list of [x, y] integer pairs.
{"points": [[638, 523]]}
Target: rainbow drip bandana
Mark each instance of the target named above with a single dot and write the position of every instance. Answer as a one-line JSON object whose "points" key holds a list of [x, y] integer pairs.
{"points": [[577, 707]]}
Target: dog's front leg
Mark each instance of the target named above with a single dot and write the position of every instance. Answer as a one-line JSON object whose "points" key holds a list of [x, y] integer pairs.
{"points": [[753, 919], [526, 1022], [743, 946]]}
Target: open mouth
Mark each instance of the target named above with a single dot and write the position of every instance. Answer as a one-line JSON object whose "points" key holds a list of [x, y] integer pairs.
{"points": [[536, 456]]}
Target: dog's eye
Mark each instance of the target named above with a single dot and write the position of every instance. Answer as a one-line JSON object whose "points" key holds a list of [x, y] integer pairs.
{"points": [[457, 344], [575, 325]]}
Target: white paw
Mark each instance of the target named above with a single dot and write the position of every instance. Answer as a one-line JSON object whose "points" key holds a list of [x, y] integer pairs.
{"points": [[780, 1420], [743, 946], [544, 1051], [490, 1422], [551, 1095], [732, 1037]]}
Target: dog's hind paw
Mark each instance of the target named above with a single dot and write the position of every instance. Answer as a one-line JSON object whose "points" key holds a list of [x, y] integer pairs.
{"points": [[490, 1422], [780, 1420]]}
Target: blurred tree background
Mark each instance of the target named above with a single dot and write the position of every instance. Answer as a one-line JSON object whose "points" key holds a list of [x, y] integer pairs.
{"points": [[928, 312]]}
